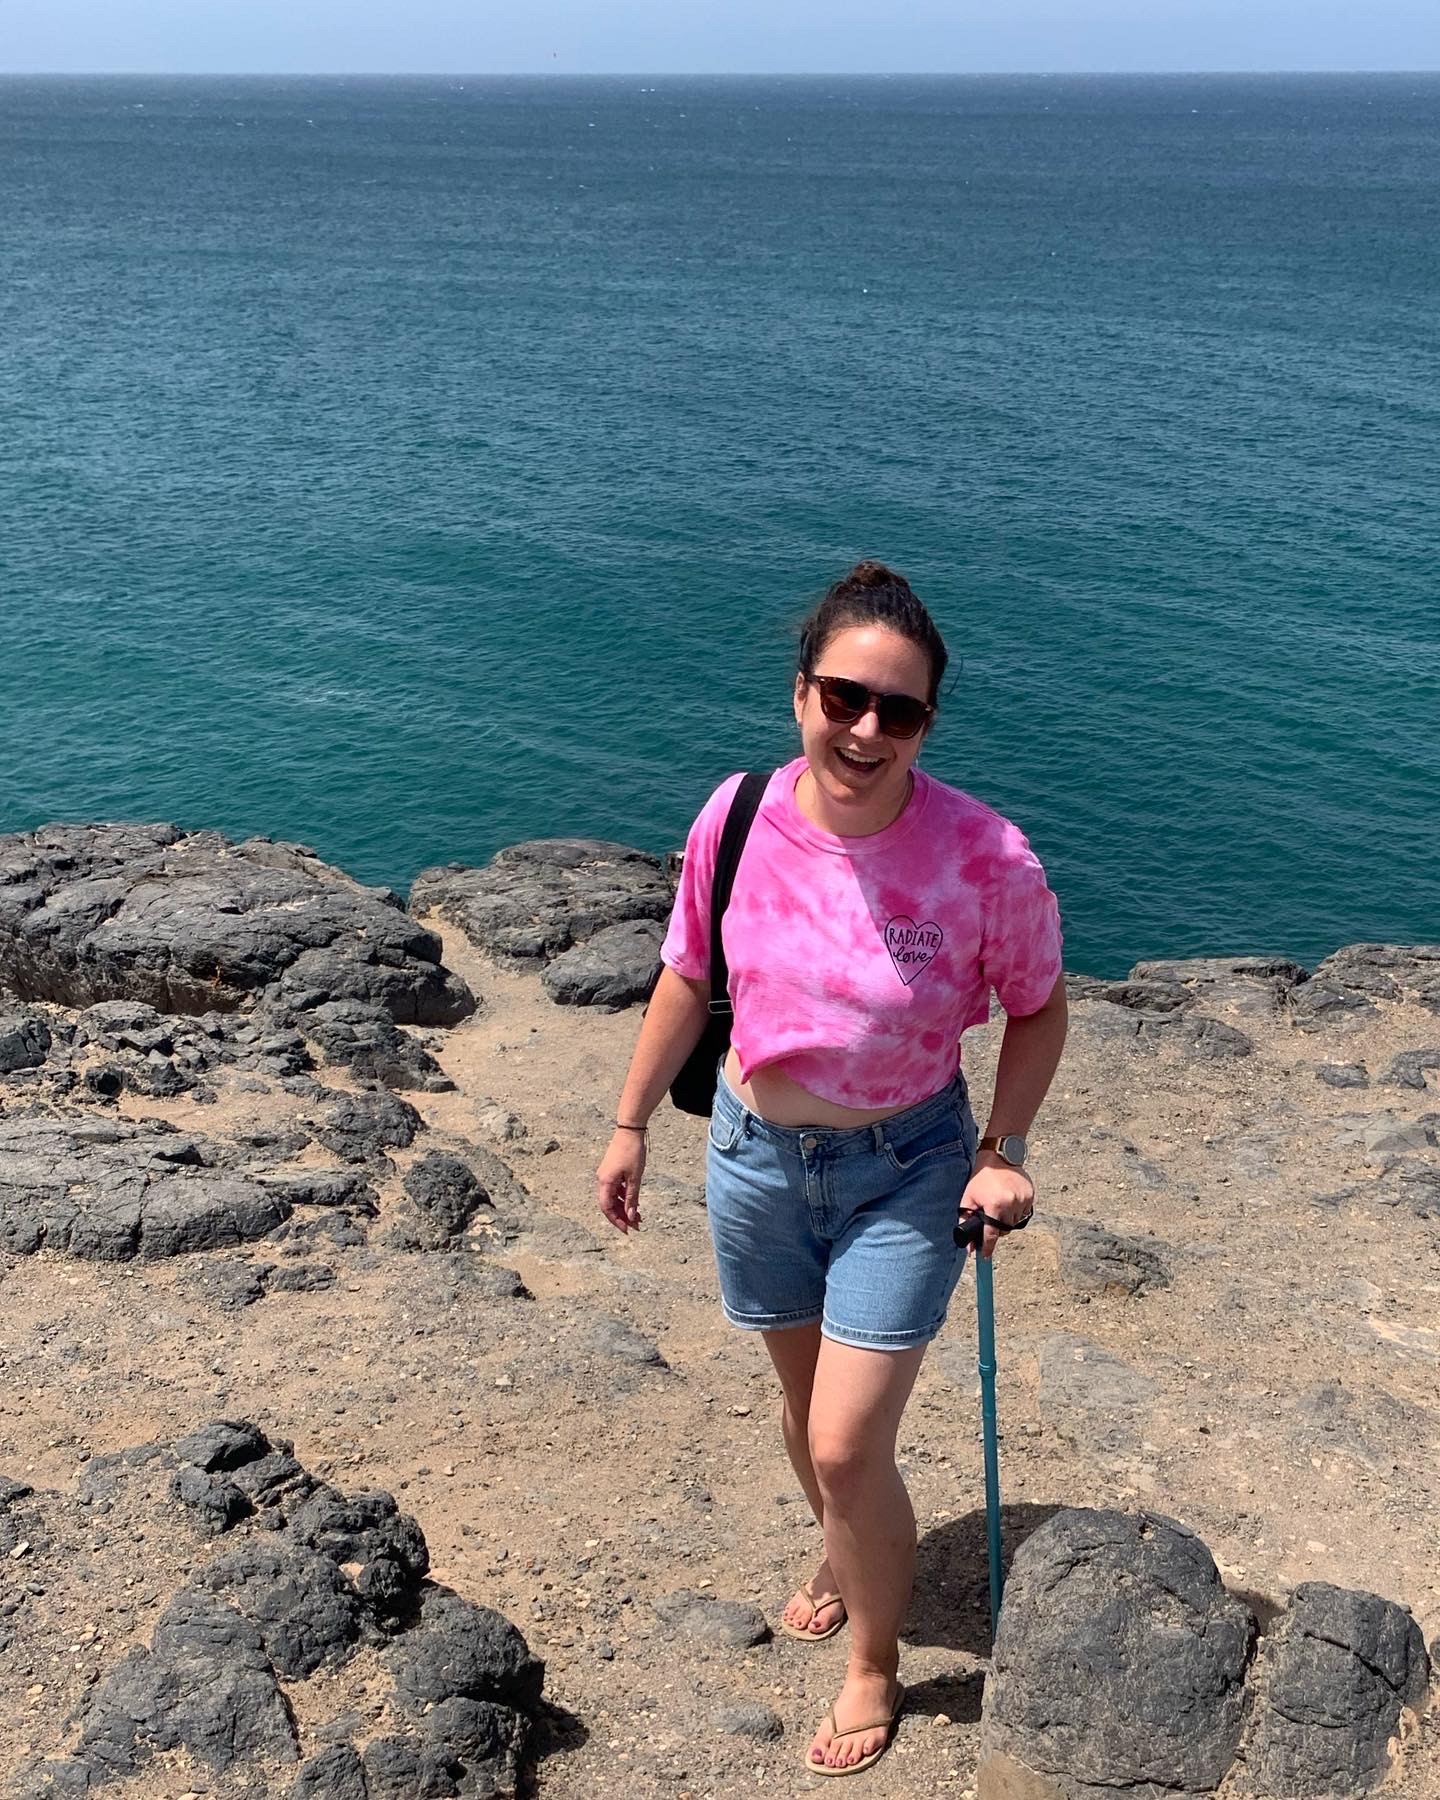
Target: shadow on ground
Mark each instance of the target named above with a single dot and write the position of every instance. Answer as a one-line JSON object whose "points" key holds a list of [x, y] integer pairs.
{"points": [[557, 1732], [952, 1579]]}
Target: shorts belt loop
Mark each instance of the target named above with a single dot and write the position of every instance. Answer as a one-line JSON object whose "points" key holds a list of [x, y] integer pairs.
{"points": [[878, 1133]]}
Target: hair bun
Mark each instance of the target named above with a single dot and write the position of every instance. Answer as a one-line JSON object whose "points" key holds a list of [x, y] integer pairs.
{"points": [[870, 575]]}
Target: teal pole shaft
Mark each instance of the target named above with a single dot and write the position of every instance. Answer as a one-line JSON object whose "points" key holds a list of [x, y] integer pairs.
{"points": [[985, 1314]]}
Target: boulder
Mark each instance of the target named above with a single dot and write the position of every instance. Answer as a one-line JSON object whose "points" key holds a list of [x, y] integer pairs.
{"points": [[1335, 1673], [727, 1624], [1408, 1069], [335, 1774], [1152, 996], [188, 922], [111, 1191], [361, 1127], [446, 1190], [1095, 1260], [1347, 987], [1344, 1075], [1250, 985], [615, 968], [1119, 1664], [458, 1648], [363, 1038], [537, 900], [25, 1039], [204, 1686], [305, 1607], [1214, 1040]]}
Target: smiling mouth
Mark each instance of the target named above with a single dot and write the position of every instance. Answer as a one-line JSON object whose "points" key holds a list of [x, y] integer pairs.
{"points": [[862, 765]]}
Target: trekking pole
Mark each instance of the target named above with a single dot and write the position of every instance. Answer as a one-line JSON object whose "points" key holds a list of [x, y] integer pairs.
{"points": [[969, 1232]]}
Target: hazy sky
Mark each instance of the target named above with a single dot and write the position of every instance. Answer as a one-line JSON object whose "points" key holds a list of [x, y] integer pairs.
{"points": [[715, 36]]}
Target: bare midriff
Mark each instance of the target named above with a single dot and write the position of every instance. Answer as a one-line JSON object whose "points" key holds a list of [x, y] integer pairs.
{"points": [[774, 1096]]}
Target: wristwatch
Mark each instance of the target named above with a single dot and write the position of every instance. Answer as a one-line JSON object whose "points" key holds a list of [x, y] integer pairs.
{"points": [[1009, 1148]]}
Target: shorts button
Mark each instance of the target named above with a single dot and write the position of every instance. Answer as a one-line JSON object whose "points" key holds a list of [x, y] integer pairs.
{"points": [[808, 1143]]}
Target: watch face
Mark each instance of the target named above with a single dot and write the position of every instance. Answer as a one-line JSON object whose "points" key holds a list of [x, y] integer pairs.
{"points": [[1012, 1148]]}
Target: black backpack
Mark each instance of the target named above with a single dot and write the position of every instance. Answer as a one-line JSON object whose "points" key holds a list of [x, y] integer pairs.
{"points": [[693, 1089]]}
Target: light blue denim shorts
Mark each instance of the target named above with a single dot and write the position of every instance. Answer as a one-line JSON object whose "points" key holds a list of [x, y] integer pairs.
{"points": [[854, 1228]]}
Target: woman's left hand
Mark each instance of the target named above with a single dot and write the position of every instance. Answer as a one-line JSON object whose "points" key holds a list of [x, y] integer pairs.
{"points": [[1001, 1191]]}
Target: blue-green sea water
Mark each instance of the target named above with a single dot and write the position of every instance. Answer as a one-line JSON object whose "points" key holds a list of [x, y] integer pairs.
{"points": [[408, 467]]}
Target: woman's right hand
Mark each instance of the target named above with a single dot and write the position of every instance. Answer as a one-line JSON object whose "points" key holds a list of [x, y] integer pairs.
{"points": [[617, 1180]]}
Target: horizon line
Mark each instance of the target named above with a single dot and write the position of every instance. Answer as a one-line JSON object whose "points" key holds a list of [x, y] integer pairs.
{"points": [[675, 74]]}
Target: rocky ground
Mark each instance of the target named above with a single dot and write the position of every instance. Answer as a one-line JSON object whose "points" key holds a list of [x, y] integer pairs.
{"points": [[376, 1242]]}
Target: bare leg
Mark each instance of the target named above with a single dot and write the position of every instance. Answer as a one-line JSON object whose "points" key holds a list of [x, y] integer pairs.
{"points": [[794, 1353], [857, 1398]]}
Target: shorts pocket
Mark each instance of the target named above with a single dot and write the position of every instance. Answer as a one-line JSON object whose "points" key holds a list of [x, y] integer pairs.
{"points": [[937, 1141], [725, 1133]]}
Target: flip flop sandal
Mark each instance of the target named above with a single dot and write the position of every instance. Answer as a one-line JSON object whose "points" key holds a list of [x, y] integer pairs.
{"points": [[850, 1731], [816, 1637]]}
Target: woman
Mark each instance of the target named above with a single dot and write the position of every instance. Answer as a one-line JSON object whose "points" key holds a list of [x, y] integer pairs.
{"points": [[873, 911]]}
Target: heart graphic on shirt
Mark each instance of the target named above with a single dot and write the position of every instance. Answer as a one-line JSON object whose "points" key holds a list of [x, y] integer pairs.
{"points": [[912, 947]]}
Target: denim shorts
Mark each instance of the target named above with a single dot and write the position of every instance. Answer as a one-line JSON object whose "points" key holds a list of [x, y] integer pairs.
{"points": [[854, 1228]]}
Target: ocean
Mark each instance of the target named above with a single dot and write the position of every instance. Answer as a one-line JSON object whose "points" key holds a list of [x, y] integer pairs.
{"points": [[409, 467]]}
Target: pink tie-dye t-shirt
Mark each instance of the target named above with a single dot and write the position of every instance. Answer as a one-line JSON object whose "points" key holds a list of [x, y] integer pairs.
{"points": [[856, 963]]}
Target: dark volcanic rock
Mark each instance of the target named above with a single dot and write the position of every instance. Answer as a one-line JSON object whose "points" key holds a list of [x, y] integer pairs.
{"points": [[214, 1503], [1334, 1673], [335, 1774], [730, 1624], [274, 1479], [25, 1039], [223, 1444], [280, 1598], [1142, 996], [300, 1278], [366, 1040], [459, 1648], [1347, 985], [368, 1529], [109, 1191], [1100, 1261], [1253, 985], [1407, 1070], [614, 968], [229, 1282], [1120, 1660], [613, 1337], [400, 1768], [1212, 1039], [361, 1126], [446, 1190], [322, 1187], [536, 900], [205, 1685], [306, 1609], [1344, 1075], [189, 923]]}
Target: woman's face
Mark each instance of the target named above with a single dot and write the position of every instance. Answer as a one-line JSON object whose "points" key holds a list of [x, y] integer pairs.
{"points": [[862, 776]]}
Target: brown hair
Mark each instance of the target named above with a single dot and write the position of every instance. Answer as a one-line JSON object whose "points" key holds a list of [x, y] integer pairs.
{"points": [[872, 594]]}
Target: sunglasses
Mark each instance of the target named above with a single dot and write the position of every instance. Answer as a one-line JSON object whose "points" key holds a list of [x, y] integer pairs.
{"points": [[843, 702]]}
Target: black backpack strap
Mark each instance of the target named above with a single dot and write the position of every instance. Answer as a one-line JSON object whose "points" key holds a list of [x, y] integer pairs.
{"points": [[727, 859]]}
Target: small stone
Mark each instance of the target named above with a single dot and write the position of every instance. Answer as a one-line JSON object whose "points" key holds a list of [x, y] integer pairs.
{"points": [[1343, 1075], [727, 1623], [749, 1719]]}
